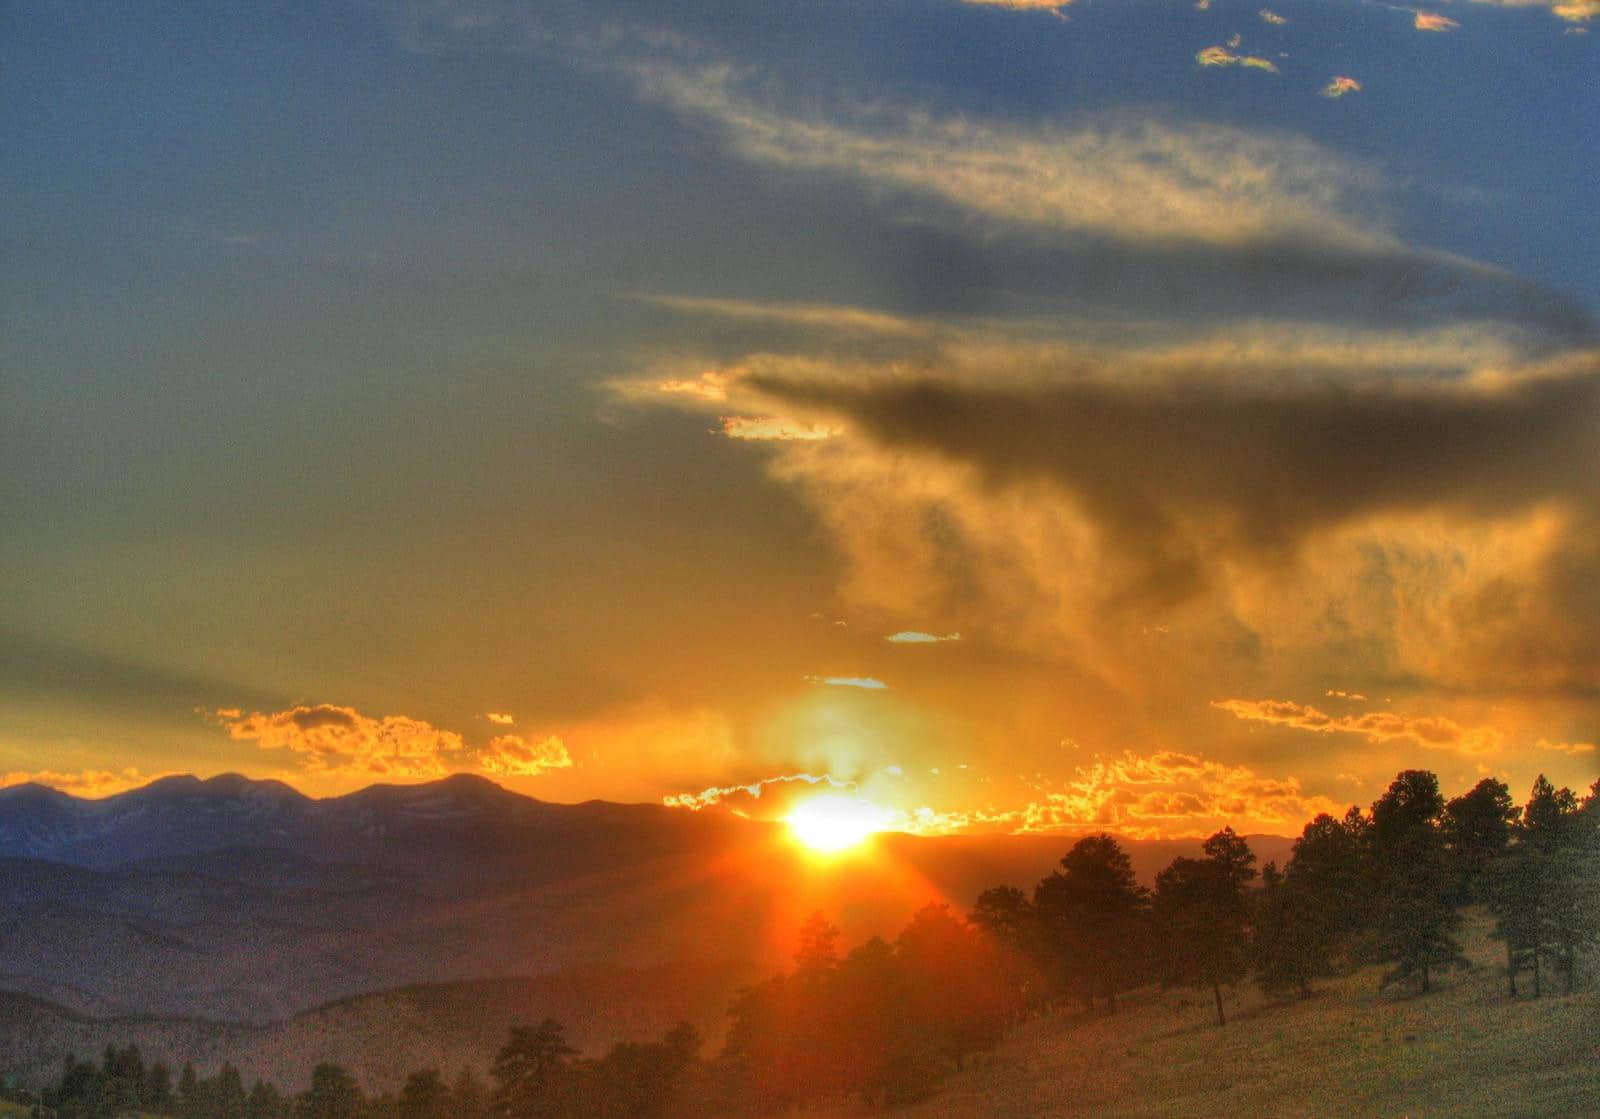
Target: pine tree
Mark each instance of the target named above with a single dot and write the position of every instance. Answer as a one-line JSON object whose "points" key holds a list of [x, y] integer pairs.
{"points": [[1416, 909], [332, 1094], [1093, 914], [532, 1071], [1203, 916], [1290, 946]]}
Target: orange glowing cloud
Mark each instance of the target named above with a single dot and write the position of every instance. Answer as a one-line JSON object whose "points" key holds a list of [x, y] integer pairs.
{"points": [[775, 428], [1172, 794], [1433, 21], [509, 755], [1573, 11], [1432, 732], [498, 718], [710, 385], [1339, 85], [92, 783], [1052, 6], [330, 740], [1572, 748], [1222, 56]]}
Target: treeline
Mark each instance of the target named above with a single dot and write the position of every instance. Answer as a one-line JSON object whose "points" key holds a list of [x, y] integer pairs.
{"points": [[888, 1020]]}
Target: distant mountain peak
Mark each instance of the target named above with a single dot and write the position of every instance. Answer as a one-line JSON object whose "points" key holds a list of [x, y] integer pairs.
{"points": [[32, 790]]}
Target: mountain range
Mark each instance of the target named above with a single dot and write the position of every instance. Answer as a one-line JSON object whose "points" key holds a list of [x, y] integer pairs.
{"points": [[234, 918]]}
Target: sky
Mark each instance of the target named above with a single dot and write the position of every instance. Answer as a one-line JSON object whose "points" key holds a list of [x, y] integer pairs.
{"points": [[1022, 415]]}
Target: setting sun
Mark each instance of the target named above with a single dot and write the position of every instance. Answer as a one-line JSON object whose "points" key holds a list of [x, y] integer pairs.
{"points": [[832, 823]]}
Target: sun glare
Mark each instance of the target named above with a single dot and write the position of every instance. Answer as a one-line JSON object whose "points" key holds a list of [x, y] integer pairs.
{"points": [[832, 823]]}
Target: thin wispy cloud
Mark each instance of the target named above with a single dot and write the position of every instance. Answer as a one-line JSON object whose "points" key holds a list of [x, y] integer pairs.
{"points": [[1433, 21], [869, 683], [1222, 56], [1430, 732], [1053, 7]]}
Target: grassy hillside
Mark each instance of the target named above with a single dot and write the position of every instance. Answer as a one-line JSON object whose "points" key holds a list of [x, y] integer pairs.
{"points": [[1464, 1050]]}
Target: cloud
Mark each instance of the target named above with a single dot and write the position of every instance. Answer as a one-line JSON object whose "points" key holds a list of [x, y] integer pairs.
{"points": [[774, 793], [867, 682], [1172, 794], [330, 740], [1353, 697], [1052, 6], [1431, 732], [769, 428], [91, 783], [1222, 56], [1573, 11], [1339, 85], [830, 317], [1433, 21], [1572, 748], [1171, 469], [1412, 502], [495, 717], [710, 385], [917, 637], [509, 755], [1272, 17], [1137, 180]]}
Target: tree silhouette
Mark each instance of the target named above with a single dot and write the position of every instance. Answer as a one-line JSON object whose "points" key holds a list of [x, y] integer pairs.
{"points": [[1093, 913], [333, 1094], [1290, 945], [1417, 913], [1478, 826], [424, 1096], [531, 1071], [1018, 948], [1204, 916], [1331, 876]]}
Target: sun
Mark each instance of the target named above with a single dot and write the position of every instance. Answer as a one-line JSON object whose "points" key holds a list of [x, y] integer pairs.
{"points": [[833, 822]]}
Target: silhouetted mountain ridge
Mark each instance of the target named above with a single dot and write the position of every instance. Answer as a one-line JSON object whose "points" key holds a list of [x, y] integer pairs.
{"points": [[247, 901]]}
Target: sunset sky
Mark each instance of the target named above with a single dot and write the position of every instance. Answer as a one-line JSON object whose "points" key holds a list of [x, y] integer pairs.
{"points": [[1099, 414]]}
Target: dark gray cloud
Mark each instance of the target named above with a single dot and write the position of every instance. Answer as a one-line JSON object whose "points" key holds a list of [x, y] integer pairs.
{"points": [[1173, 467]]}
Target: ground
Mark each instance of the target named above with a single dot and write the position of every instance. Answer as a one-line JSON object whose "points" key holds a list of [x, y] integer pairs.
{"points": [[1466, 1049]]}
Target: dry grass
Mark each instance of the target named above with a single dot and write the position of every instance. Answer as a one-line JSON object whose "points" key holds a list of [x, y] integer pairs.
{"points": [[1466, 1049]]}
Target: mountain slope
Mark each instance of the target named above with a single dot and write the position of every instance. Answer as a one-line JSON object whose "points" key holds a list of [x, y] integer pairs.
{"points": [[1465, 1049]]}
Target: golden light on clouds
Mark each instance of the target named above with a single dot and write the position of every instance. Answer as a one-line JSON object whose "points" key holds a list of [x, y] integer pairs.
{"points": [[1339, 85], [1433, 21], [776, 428], [1222, 56], [1430, 732], [91, 783], [1052, 6], [331, 741]]}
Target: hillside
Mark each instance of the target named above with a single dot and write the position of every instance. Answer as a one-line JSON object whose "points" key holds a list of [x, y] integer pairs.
{"points": [[1465, 1049], [383, 1036]]}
